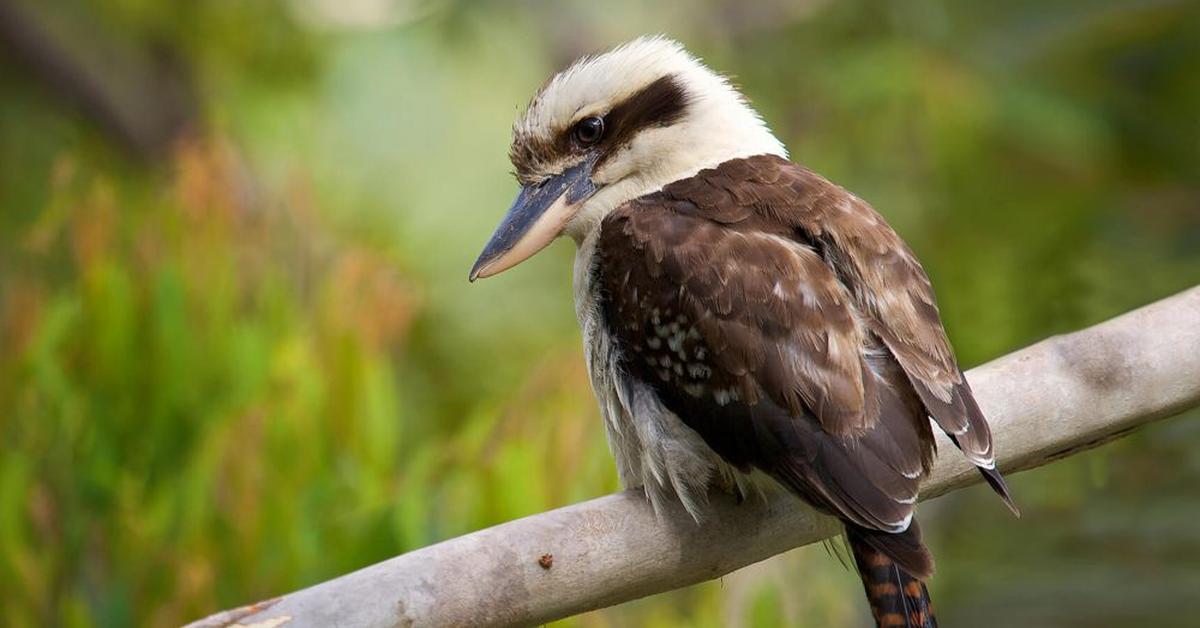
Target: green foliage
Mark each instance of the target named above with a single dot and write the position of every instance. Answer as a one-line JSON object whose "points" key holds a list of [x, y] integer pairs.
{"points": [[257, 364]]}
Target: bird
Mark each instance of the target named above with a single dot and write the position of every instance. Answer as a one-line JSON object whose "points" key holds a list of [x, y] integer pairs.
{"points": [[742, 316]]}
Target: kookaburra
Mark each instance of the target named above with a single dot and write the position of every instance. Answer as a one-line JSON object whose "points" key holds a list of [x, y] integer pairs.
{"points": [[740, 312]]}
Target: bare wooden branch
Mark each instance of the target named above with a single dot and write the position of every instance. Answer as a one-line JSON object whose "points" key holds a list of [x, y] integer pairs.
{"points": [[1045, 402]]}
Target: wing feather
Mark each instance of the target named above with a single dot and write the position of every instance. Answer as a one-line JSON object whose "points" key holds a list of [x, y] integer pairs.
{"points": [[887, 284]]}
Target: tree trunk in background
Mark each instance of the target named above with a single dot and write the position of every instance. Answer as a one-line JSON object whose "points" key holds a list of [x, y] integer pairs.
{"points": [[141, 96]]}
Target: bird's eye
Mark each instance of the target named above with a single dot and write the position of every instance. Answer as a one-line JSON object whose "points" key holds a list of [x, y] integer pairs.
{"points": [[589, 130]]}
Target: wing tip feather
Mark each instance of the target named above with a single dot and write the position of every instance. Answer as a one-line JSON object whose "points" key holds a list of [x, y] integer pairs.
{"points": [[996, 481]]}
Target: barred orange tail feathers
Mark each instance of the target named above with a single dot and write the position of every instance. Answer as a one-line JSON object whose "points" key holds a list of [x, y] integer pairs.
{"points": [[893, 568]]}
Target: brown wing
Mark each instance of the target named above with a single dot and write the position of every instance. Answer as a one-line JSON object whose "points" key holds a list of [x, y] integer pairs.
{"points": [[766, 313], [754, 342], [888, 287]]}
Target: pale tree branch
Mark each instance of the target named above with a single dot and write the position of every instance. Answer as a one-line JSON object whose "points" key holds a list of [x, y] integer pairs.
{"points": [[1045, 402]]}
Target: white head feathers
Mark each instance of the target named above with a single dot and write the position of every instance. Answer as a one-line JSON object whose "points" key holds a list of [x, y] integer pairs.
{"points": [[716, 125]]}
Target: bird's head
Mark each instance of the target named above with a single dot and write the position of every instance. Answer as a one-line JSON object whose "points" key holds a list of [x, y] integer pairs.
{"points": [[611, 128]]}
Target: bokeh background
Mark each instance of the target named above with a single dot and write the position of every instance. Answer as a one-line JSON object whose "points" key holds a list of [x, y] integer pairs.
{"points": [[239, 355]]}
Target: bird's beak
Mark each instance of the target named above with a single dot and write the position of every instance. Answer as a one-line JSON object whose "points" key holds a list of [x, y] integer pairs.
{"points": [[537, 217]]}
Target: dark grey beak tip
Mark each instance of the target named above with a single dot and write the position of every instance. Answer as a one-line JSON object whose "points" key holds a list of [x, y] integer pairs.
{"points": [[484, 258]]}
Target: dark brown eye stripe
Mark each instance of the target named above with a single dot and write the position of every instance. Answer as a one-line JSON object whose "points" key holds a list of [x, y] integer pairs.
{"points": [[661, 103]]}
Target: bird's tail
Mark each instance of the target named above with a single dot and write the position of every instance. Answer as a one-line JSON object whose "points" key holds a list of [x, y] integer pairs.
{"points": [[897, 596]]}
